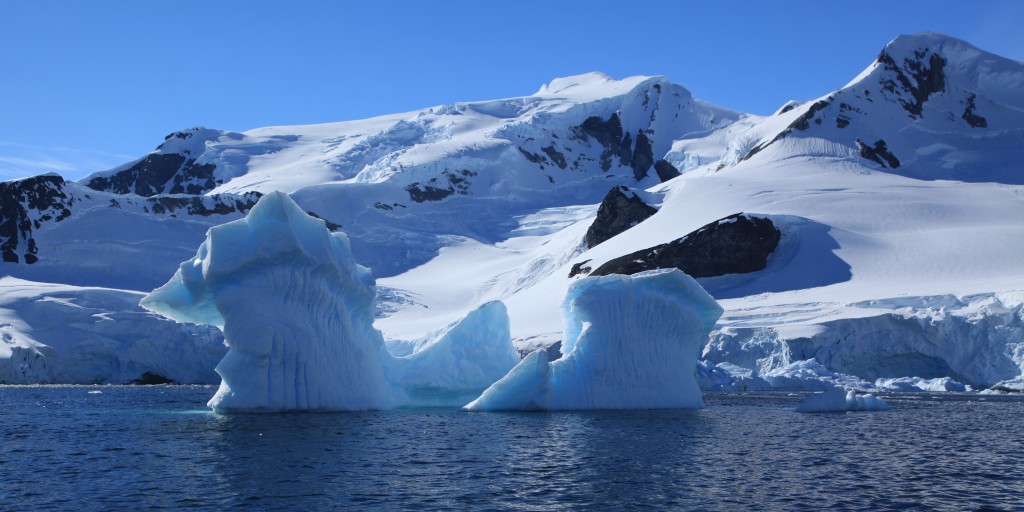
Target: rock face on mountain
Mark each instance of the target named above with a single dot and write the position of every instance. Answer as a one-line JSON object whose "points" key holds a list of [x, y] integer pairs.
{"points": [[620, 210], [24, 205], [737, 244], [920, 89]]}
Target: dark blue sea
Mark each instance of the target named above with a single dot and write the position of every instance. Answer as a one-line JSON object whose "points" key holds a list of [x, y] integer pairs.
{"points": [[151, 448]]}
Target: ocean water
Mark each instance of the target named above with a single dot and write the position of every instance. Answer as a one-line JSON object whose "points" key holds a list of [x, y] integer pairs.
{"points": [[147, 448]]}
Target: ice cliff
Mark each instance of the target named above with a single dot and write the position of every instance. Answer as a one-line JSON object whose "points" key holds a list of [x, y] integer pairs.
{"points": [[297, 314], [630, 342]]}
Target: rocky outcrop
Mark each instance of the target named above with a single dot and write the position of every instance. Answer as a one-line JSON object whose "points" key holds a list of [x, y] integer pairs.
{"points": [[29, 204], [737, 244], [973, 119], [916, 77], [24, 205], [151, 175], [220, 204], [434, 190], [879, 153], [609, 135], [172, 168], [620, 210], [643, 156], [665, 170]]}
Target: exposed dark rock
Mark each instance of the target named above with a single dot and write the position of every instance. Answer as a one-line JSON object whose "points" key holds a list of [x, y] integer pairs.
{"points": [[580, 268], [803, 122], [609, 135], [151, 379], [643, 156], [555, 156], [222, 204], [800, 123], [424, 193], [620, 210], [458, 182], [842, 121], [736, 244], [330, 225], [973, 119], [533, 157], [43, 195], [665, 170], [916, 77], [194, 179], [146, 178], [879, 154]]}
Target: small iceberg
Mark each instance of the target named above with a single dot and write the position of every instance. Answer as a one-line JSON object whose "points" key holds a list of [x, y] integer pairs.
{"points": [[631, 342], [840, 400]]}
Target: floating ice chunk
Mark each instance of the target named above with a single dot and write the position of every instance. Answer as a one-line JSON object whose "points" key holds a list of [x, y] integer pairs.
{"points": [[839, 400], [297, 314], [630, 342], [456, 363]]}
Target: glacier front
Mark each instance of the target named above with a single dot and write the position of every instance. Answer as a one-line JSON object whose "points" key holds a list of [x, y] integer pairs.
{"points": [[631, 342], [297, 314]]}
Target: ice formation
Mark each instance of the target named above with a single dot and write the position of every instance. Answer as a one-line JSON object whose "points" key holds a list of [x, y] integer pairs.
{"points": [[296, 310], [297, 314], [838, 399], [917, 384], [457, 363], [629, 342]]}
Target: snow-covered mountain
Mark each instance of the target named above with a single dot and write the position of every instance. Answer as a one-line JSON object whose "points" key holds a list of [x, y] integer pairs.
{"points": [[897, 201]]}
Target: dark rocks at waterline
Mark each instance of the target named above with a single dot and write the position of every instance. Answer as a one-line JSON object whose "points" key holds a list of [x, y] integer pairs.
{"points": [[736, 244], [151, 379], [620, 210]]}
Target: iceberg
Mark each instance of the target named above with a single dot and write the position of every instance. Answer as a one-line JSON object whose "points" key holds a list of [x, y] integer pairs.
{"points": [[297, 314], [458, 362], [840, 400], [630, 342]]}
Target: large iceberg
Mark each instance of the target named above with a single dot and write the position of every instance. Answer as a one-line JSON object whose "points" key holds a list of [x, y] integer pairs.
{"points": [[297, 314], [630, 342]]}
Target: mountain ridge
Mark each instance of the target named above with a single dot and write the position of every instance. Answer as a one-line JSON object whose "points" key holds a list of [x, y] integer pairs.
{"points": [[895, 190]]}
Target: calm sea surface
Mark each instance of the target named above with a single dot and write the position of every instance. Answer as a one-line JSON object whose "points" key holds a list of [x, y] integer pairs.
{"points": [[145, 448]]}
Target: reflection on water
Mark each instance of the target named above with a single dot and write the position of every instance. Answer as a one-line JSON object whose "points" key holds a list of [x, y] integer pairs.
{"points": [[64, 448]]}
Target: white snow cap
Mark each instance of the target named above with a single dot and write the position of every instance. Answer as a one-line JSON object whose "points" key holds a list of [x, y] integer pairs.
{"points": [[631, 342]]}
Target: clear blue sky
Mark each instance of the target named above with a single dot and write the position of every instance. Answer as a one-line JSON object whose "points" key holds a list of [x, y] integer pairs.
{"points": [[89, 85]]}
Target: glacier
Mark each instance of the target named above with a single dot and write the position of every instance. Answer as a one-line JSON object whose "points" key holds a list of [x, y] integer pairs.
{"points": [[838, 399], [630, 342], [297, 313]]}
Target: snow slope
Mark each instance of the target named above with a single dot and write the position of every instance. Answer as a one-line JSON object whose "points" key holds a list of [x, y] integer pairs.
{"points": [[898, 196], [51, 333]]}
